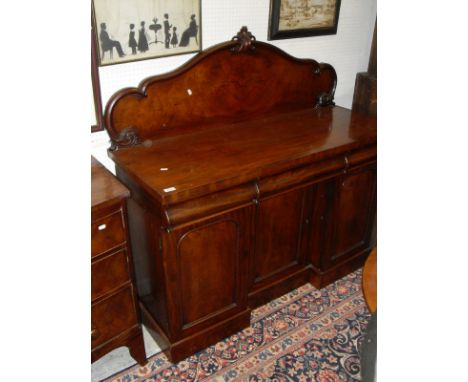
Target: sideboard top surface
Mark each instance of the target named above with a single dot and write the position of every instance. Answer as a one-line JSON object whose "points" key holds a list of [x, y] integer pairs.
{"points": [[237, 112], [180, 167]]}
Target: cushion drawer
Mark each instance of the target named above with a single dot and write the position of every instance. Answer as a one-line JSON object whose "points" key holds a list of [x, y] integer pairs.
{"points": [[112, 316], [109, 273], [107, 233]]}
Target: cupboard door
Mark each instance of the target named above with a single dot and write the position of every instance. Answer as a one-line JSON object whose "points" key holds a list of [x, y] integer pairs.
{"points": [[209, 264], [353, 213], [279, 230], [322, 194]]}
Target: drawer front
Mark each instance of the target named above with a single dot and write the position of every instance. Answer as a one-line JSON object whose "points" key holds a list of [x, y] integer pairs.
{"points": [[112, 316], [109, 273], [107, 233]]}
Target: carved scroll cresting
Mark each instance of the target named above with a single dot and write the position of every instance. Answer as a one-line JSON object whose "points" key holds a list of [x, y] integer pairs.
{"points": [[127, 137], [327, 98], [244, 40]]}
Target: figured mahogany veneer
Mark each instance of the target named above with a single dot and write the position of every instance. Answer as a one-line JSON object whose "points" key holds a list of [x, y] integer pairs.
{"points": [[114, 310], [369, 281], [218, 85], [246, 182]]}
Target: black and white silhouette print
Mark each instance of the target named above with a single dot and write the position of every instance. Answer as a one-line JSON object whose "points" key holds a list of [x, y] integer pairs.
{"points": [[191, 31], [107, 44], [130, 30], [132, 43], [167, 31], [155, 27], [174, 39], [142, 39]]}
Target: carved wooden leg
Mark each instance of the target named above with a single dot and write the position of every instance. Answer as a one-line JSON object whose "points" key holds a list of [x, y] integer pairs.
{"points": [[136, 347]]}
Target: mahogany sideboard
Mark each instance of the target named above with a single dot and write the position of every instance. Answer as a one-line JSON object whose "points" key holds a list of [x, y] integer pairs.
{"points": [[115, 317], [247, 181]]}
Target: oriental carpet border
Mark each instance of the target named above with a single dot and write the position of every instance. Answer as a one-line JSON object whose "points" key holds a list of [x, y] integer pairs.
{"points": [[305, 335]]}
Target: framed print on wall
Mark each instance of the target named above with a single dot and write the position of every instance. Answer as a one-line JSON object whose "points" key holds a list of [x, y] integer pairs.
{"points": [[97, 120], [132, 30], [303, 18]]}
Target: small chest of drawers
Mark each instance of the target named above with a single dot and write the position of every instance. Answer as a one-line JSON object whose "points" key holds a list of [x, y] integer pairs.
{"points": [[114, 316]]}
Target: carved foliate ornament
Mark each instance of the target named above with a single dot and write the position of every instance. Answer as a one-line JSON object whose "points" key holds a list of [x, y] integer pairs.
{"points": [[244, 40]]}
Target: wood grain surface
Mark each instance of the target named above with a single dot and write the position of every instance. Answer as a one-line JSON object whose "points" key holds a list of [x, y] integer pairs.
{"points": [[369, 281]]}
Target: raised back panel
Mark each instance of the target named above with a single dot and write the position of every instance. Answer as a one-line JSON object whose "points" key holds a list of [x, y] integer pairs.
{"points": [[229, 82]]}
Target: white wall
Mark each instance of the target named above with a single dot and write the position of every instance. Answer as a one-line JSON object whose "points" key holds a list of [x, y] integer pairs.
{"points": [[347, 51]]}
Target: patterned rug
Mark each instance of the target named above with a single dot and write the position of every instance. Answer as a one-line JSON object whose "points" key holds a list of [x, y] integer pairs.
{"points": [[305, 335]]}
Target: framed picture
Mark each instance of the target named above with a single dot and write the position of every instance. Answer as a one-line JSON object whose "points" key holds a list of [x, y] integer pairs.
{"points": [[303, 18], [97, 123], [131, 30]]}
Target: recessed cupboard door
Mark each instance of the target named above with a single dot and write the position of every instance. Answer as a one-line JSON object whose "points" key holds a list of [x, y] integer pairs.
{"points": [[280, 222], [208, 265], [352, 214]]}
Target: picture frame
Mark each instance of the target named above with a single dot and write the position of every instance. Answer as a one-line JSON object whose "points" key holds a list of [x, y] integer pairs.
{"points": [[303, 18], [133, 30], [97, 122]]}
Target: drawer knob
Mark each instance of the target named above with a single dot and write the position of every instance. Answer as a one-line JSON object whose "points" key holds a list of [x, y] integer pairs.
{"points": [[94, 333], [101, 227]]}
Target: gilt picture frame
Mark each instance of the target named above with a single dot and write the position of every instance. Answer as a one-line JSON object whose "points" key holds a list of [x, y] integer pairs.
{"points": [[303, 18], [133, 30]]}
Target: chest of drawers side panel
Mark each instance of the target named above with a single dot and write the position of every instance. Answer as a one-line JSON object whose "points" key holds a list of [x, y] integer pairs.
{"points": [[115, 319]]}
